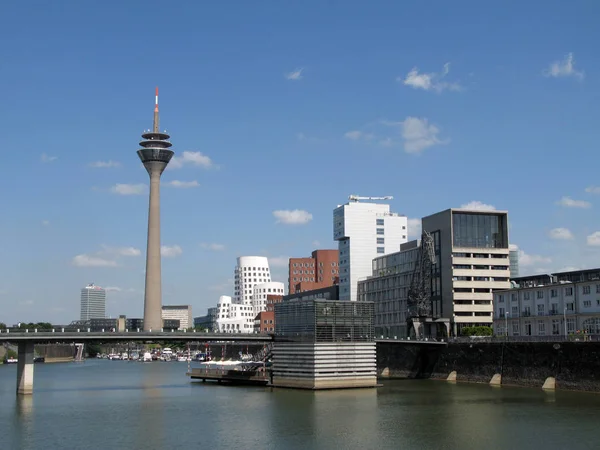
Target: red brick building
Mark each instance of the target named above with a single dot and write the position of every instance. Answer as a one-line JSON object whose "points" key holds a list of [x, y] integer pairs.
{"points": [[319, 271], [272, 300], [264, 322]]}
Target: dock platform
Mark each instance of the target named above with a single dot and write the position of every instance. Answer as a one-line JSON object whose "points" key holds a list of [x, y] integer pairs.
{"points": [[260, 378]]}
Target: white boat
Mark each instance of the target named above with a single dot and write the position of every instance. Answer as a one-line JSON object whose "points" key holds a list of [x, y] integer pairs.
{"points": [[184, 358], [147, 357], [12, 360]]}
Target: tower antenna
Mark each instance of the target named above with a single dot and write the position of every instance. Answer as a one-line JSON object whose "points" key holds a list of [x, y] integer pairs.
{"points": [[156, 111]]}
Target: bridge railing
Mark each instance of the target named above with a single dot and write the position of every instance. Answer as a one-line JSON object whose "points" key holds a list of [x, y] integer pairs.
{"points": [[549, 338]]}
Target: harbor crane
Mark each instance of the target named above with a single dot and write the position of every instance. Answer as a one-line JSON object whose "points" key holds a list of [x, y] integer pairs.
{"points": [[357, 198], [419, 302]]}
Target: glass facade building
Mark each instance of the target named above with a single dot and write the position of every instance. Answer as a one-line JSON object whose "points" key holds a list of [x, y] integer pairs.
{"points": [[479, 230]]}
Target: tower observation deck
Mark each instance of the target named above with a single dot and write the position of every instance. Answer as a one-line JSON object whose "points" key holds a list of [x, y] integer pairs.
{"points": [[155, 155]]}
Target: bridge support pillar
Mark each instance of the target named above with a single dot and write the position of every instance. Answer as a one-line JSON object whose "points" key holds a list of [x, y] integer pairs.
{"points": [[25, 368]]}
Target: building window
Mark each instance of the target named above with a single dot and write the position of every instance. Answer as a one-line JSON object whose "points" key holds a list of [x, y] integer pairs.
{"points": [[540, 294], [513, 297], [554, 293], [500, 298], [570, 307], [380, 240], [540, 310], [515, 311], [526, 295], [380, 231], [587, 304], [501, 312], [555, 326], [379, 222], [380, 250], [586, 290], [570, 325], [515, 328], [598, 289], [569, 291], [541, 328]]}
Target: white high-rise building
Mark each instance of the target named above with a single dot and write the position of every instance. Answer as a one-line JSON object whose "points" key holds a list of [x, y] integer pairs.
{"points": [[364, 231], [234, 317], [250, 270], [183, 313], [259, 297], [252, 284], [93, 302]]}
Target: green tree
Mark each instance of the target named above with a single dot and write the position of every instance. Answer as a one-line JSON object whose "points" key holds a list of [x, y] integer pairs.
{"points": [[2, 326]]}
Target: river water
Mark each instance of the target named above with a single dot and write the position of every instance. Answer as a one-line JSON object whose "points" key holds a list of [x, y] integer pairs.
{"points": [[101, 404]]}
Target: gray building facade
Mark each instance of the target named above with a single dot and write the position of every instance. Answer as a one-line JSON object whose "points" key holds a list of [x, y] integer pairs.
{"points": [[93, 302], [471, 262]]}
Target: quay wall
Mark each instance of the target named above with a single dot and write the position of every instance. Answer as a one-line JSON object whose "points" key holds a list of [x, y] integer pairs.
{"points": [[574, 365]]}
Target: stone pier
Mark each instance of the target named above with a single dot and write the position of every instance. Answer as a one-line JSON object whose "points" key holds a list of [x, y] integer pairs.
{"points": [[25, 368]]}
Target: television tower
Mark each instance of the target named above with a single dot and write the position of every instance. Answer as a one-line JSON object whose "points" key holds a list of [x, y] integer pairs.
{"points": [[155, 155]]}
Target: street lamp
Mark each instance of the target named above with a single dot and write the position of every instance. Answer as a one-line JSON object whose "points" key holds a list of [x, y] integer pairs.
{"points": [[506, 323], [565, 319]]}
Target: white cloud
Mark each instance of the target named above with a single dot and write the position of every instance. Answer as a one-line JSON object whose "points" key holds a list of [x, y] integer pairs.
{"points": [[170, 251], [214, 247], [357, 135], [128, 189], [112, 289], [107, 257], [568, 202], [563, 234], [121, 251], [278, 261], [182, 184], [354, 135], [526, 259], [478, 206], [414, 228], [564, 68], [594, 239], [593, 189], [429, 81], [84, 260], [418, 135], [292, 217], [197, 159], [294, 75], [45, 222], [47, 158], [105, 164]]}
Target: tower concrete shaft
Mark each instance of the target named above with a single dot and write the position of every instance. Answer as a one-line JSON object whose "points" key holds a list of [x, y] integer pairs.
{"points": [[155, 155]]}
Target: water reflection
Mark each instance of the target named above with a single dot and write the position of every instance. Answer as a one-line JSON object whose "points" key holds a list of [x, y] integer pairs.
{"points": [[154, 406]]}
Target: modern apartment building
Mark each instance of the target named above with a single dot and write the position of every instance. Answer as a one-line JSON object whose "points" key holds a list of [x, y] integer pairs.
{"points": [[471, 252], [513, 257], [557, 304], [261, 292], [183, 313], [473, 262], [387, 288], [364, 231], [249, 271], [318, 271], [93, 302], [234, 317]]}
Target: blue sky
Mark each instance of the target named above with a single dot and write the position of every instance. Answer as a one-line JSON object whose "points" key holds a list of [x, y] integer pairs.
{"points": [[283, 106]]}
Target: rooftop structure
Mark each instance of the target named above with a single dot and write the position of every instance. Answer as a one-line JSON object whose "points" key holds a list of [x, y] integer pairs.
{"points": [[155, 155]]}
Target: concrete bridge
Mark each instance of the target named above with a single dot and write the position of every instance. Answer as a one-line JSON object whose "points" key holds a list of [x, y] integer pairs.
{"points": [[26, 340]]}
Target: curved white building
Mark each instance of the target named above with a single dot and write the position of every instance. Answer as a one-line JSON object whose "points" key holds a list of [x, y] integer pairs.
{"points": [[250, 271], [233, 317], [259, 296]]}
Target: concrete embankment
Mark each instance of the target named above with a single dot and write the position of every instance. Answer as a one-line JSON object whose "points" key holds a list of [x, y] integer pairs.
{"points": [[564, 365]]}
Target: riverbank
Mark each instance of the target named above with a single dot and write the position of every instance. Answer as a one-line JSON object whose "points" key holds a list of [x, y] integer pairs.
{"points": [[574, 365]]}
